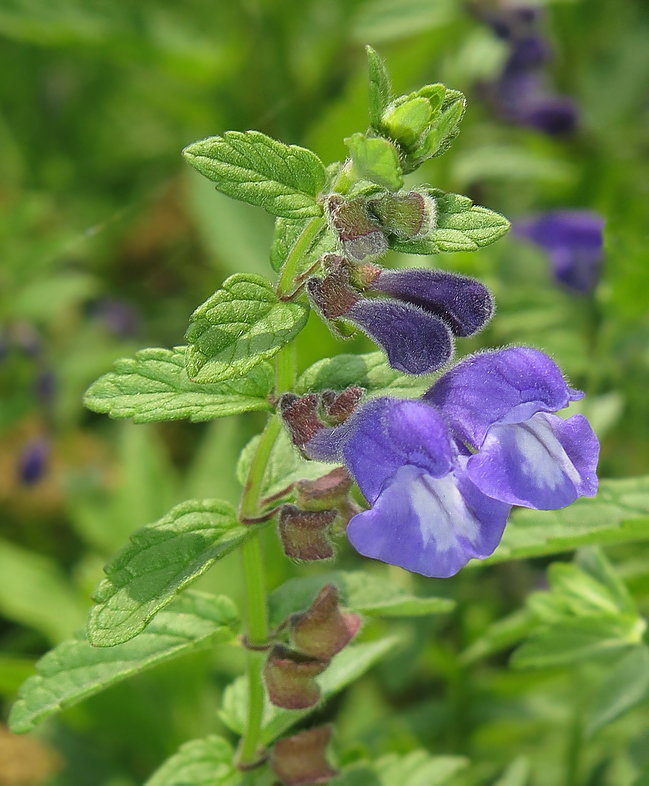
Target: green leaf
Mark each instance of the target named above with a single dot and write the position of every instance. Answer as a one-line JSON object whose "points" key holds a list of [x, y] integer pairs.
{"points": [[576, 640], [581, 594], [618, 514], [370, 371], [626, 686], [359, 592], [517, 774], [75, 670], [461, 226], [161, 560], [287, 231], [285, 466], [380, 89], [418, 768], [252, 167], [592, 560], [445, 127], [375, 159], [154, 386], [206, 762], [501, 635], [35, 592], [242, 324], [346, 667]]}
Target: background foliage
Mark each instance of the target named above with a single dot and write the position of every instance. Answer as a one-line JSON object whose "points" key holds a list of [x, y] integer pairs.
{"points": [[109, 242]]}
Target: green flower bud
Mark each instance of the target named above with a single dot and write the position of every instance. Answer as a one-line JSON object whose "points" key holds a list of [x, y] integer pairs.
{"points": [[407, 121], [407, 215]]}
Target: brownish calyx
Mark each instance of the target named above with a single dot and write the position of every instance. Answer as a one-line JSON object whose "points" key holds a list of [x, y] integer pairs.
{"points": [[324, 629], [301, 760], [305, 533]]}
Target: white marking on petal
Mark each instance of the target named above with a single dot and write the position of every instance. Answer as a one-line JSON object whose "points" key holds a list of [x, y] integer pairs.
{"points": [[441, 511], [543, 458]]}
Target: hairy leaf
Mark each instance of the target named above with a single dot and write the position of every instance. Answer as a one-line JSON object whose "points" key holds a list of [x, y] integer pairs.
{"points": [[75, 670], [346, 667], [252, 167], [359, 592], [242, 324], [461, 226], [375, 159], [380, 89], [205, 762], [161, 559], [618, 514], [418, 768], [626, 686], [370, 371], [154, 386]]}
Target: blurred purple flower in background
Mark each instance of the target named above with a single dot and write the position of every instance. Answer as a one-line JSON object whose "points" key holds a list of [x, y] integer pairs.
{"points": [[574, 241], [441, 474], [117, 316], [32, 461]]}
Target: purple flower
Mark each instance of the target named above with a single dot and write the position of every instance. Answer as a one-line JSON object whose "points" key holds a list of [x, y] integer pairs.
{"points": [[416, 327], [574, 241], [441, 474], [499, 404], [32, 462]]}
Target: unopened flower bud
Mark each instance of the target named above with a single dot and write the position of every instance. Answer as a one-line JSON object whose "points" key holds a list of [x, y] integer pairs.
{"points": [[407, 215], [300, 760], [325, 492], [360, 236], [289, 678], [300, 415], [406, 121], [339, 407], [304, 533], [323, 629]]}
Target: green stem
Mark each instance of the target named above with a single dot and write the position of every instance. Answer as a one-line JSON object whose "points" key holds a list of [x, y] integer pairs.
{"points": [[300, 247], [253, 567]]}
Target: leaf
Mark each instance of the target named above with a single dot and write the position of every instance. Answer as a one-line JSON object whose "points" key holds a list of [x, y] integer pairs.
{"points": [[380, 89], [287, 231], [618, 514], [242, 324], [347, 666], [359, 592], [35, 592], [161, 560], [517, 774], [252, 167], [154, 386], [418, 768], [370, 371], [75, 670], [206, 762], [626, 686], [375, 159], [593, 561], [285, 466], [500, 635], [461, 226], [576, 640]]}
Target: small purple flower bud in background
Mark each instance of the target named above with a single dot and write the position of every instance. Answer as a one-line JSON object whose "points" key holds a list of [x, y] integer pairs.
{"points": [[553, 115], [323, 630], [305, 533], [289, 678], [407, 215], [45, 386], [117, 316], [300, 415], [574, 241], [32, 462], [360, 236], [463, 303], [528, 53], [301, 760]]}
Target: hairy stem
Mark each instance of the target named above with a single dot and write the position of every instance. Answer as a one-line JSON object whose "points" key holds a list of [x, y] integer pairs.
{"points": [[300, 247], [253, 567]]}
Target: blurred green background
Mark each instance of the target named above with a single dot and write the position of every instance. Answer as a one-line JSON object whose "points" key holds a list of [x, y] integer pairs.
{"points": [[108, 242]]}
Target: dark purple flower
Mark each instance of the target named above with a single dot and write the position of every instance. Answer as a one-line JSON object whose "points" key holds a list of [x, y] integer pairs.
{"points": [[416, 327], [553, 115], [574, 242], [499, 404], [32, 462], [117, 316], [441, 474], [527, 53]]}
